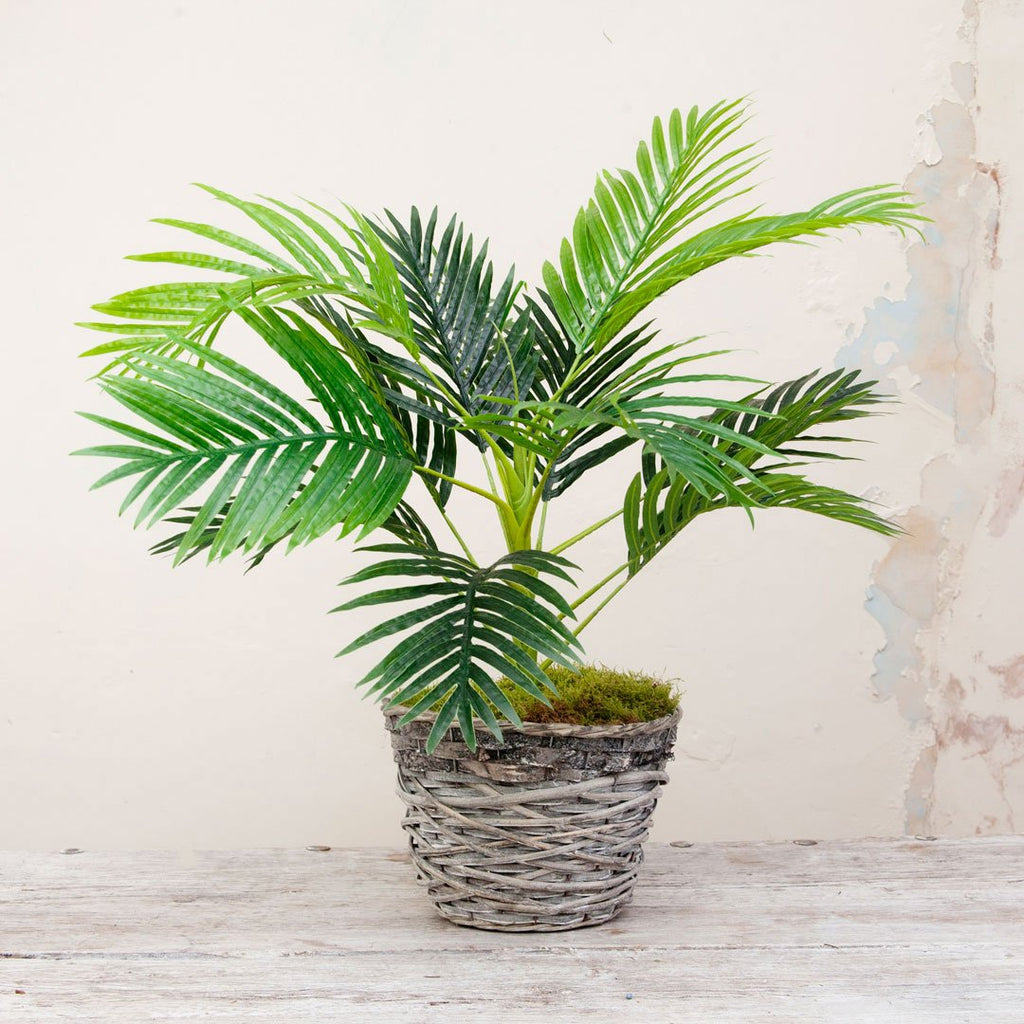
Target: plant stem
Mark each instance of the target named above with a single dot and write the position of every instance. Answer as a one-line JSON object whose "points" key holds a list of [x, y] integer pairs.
{"points": [[586, 597], [540, 529], [598, 586], [586, 622], [538, 494], [565, 545], [490, 474], [458, 537], [467, 487]]}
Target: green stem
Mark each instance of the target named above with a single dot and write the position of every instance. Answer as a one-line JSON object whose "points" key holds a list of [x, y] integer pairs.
{"points": [[503, 505], [569, 376], [458, 537], [566, 544], [506, 511], [586, 622], [522, 526], [540, 529], [598, 586], [490, 474], [586, 597]]}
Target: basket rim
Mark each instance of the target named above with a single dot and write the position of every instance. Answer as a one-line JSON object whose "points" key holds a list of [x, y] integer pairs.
{"points": [[619, 729]]}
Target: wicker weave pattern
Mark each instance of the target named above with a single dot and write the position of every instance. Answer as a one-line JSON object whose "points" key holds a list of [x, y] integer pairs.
{"points": [[540, 833]]}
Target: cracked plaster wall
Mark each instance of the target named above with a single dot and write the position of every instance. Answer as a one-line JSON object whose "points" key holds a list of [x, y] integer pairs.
{"points": [[948, 594]]}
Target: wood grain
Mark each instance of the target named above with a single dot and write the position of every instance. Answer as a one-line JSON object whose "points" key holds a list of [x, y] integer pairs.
{"points": [[853, 931]]}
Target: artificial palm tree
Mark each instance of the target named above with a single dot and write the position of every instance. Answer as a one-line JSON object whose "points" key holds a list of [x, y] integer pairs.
{"points": [[402, 340]]}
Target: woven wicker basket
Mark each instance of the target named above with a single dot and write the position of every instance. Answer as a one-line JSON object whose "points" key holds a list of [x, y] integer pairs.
{"points": [[542, 832]]}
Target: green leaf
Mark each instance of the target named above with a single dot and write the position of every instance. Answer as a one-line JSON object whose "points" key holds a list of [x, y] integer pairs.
{"points": [[278, 470], [625, 252], [479, 618], [659, 504], [465, 327]]}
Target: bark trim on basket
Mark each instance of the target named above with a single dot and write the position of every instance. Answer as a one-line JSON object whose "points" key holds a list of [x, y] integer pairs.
{"points": [[556, 728]]}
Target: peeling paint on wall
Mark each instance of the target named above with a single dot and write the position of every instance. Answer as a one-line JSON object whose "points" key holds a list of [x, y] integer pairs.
{"points": [[936, 346]]}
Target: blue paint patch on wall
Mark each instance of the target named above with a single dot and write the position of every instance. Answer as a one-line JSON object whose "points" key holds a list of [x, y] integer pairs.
{"points": [[897, 658]]}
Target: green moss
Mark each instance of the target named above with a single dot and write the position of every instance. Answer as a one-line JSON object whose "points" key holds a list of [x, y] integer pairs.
{"points": [[596, 695]]}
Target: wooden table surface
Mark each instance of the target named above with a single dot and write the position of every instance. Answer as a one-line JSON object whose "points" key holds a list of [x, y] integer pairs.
{"points": [[874, 930]]}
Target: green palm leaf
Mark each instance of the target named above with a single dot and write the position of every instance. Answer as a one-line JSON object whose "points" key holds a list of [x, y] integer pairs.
{"points": [[284, 470], [404, 523], [319, 267], [623, 253], [624, 387], [471, 332], [328, 265], [309, 257], [668, 426], [660, 502], [477, 621]]}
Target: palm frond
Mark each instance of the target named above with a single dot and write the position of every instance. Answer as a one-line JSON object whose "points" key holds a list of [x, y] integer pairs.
{"points": [[319, 267], [622, 380], [686, 441], [309, 255], [660, 502], [623, 252], [477, 621], [286, 471], [470, 331], [403, 523]]}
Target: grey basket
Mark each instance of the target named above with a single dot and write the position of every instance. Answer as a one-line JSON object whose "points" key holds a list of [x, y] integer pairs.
{"points": [[542, 832]]}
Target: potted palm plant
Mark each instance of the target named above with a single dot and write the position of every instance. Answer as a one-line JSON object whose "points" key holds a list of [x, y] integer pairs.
{"points": [[405, 353]]}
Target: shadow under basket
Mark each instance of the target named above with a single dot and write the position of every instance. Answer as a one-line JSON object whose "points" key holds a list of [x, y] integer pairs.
{"points": [[542, 832]]}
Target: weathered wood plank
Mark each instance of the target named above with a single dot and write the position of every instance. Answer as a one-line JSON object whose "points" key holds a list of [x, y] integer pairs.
{"points": [[223, 901], [938, 985], [839, 931]]}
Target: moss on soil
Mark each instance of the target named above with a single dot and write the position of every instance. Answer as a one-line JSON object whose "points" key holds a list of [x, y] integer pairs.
{"points": [[596, 695]]}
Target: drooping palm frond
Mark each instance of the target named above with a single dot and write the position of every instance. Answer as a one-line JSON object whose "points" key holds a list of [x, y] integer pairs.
{"points": [[659, 502], [477, 621], [690, 445], [668, 425], [284, 470], [473, 334], [624, 251], [617, 403], [657, 509]]}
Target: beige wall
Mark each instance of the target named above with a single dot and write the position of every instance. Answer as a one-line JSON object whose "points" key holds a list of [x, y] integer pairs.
{"points": [[835, 684]]}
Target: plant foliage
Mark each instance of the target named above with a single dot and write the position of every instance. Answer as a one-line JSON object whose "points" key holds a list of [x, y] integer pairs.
{"points": [[397, 337], [659, 503], [475, 619]]}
